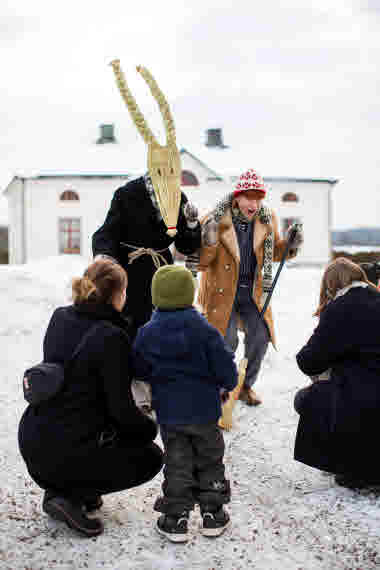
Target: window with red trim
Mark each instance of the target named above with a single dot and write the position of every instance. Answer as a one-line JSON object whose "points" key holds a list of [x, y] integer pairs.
{"points": [[69, 235]]}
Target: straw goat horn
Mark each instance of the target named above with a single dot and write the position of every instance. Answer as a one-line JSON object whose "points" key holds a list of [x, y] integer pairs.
{"points": [[130, 101], [162, 103]]}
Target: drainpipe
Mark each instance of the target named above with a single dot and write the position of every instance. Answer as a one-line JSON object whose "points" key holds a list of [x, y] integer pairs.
{"points": [[23, 220]]}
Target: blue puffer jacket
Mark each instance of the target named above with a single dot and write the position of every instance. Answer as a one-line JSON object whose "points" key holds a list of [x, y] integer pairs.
{"points": [[186, 361]]}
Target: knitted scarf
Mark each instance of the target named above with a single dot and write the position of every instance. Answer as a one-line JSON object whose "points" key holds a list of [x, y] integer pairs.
{"points": [[265, 217]]}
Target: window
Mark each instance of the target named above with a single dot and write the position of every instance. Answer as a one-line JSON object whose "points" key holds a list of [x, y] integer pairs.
{"points": [[290, 197], [189, 179], [287, 222], [69, 235], [69, 195]]}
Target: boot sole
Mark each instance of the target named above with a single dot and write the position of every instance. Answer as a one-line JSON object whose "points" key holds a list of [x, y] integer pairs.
{"points": [[60, 514], [173, 537], [214, 532]]}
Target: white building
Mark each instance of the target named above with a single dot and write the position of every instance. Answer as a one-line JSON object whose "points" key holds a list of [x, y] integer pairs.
{"points": [[52, 212]]}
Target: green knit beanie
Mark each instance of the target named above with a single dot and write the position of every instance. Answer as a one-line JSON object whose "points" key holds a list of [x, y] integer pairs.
{"points": [[173, 287]]}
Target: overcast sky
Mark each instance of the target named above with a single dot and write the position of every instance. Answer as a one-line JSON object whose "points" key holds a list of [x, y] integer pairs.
{"points": [[299, 79]]}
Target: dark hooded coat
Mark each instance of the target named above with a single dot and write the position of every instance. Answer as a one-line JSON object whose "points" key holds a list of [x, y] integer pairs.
{"points": [[59, 439], [340, 417]]}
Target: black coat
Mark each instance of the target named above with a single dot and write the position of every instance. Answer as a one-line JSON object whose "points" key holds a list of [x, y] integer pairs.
{"points": [[132, 219], [340, 418], [97, 392]]}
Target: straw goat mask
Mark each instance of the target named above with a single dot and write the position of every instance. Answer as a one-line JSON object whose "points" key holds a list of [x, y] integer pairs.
{"points": [[164, 165]]}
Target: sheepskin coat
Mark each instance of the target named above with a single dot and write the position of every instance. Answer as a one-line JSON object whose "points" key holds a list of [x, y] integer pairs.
{"points": [[220, 264]]}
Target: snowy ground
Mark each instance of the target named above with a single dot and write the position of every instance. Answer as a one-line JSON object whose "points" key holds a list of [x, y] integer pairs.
{"points": [[285, 515]]}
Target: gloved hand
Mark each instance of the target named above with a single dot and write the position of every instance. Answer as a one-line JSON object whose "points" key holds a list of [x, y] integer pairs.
{"points": [[190, 212], [192, 262], [210, 232], [298, 238]]}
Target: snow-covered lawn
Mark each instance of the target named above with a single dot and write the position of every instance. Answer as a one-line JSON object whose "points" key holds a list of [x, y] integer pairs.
{"points": [[285, 515]]}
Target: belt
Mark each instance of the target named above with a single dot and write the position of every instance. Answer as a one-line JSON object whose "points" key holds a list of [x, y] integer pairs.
{"points": [[139, 251]]}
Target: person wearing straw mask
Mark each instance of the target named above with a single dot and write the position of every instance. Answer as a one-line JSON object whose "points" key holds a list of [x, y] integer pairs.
{"points": [[240, 240], [150, 213]]}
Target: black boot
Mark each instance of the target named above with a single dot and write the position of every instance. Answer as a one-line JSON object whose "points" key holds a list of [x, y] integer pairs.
{"points": [[351, 481], [214, 522], [93, 504], [73, 514], [173, 527]]}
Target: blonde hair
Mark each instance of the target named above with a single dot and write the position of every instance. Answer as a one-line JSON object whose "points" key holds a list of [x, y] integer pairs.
{"points": [[338, 274], [100, 281]]}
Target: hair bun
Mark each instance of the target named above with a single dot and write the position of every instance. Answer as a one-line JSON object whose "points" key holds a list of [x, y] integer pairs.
{"points": [[82, 287]]}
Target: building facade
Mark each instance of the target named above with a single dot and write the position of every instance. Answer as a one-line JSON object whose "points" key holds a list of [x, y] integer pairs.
{"points": [[52, 213]]}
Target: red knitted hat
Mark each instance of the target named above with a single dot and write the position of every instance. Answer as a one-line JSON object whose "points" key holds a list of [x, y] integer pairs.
{"points": [[250, 180]]}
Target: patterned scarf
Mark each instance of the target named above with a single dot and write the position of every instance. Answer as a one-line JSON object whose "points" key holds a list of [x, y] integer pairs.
{"points": [[265, 217], [152, 195]]}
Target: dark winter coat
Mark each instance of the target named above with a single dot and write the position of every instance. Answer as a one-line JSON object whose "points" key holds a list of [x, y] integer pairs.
{"points": [[132, 219], [97, 392], [340, 417], [186, 362]]}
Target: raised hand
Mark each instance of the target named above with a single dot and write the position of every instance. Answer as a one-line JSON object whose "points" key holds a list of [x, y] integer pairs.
{"points": [[298, 237], [190, 212]]}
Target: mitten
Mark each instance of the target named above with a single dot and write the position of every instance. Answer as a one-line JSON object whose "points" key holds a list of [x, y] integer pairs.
{"points": [[190, 212], [210, 232], [298, 238], [192, 262]]}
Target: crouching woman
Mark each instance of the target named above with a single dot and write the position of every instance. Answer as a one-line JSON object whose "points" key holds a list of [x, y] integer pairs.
{"points": [[90, 439], [339, 417]]}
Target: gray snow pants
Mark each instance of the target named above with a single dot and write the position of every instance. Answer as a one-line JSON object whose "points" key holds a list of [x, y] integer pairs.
{"points": [[256, 333], [194, 469]]}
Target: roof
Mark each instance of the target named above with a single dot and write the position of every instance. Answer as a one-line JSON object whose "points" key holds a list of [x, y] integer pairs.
{"points": [[83, 158], [227, 162]]}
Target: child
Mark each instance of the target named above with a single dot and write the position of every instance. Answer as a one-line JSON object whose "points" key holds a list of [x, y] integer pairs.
{"points": [[188, 366]]}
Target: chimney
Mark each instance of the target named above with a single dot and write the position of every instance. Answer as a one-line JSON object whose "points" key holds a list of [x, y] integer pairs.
{"points": [[106, 134], [214, 138]]}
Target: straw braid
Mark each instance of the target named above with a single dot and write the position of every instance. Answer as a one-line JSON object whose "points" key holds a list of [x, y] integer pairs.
{"points": [[130, 101], [162, 103]]}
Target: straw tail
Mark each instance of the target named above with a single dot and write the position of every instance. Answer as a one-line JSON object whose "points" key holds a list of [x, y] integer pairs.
{"points": [[130, 101], [162, 103]]}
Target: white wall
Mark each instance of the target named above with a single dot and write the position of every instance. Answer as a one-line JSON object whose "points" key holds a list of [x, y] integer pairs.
{"points": [[15, 208], [44, 209], [313, 209]]}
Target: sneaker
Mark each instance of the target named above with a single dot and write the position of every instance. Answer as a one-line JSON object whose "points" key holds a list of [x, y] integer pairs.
{"points": [[73, 515], [249, 396], [214, 524], [173, 527]]}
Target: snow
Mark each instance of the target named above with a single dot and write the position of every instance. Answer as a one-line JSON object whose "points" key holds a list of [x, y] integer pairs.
{"points": [[284, 514]]}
